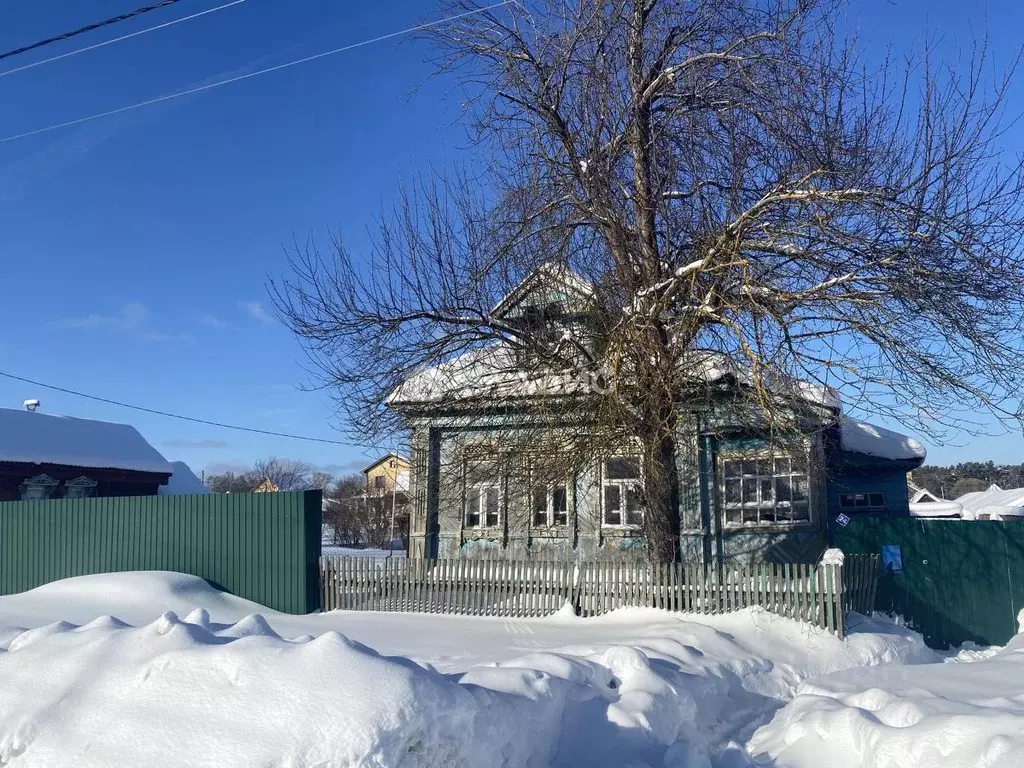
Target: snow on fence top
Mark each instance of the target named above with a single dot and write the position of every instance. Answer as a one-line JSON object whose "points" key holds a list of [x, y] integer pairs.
{"points": [[42, 438], [861, 437], [183, 482]]}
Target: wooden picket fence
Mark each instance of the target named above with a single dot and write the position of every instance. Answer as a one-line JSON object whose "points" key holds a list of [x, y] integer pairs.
{"points": [[812, 593], [860, 582]]}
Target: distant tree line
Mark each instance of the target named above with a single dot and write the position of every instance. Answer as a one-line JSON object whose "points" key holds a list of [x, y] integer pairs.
{"points": [[351, 517], [969, 476]]}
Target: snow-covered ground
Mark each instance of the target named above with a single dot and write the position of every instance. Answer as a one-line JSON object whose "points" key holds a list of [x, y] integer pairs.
{"points": [[188, 676], [967, 713]]}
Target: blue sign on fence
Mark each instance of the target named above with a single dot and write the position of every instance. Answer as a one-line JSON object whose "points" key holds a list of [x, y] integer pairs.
{"points": [[892, 558]]}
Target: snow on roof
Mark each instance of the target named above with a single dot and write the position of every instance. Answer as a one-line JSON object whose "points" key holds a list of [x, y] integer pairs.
{"points": [[935, 509], [42, 438], [993, 501], [489, 372], [492, 372], [183, 482], [861, 437]]}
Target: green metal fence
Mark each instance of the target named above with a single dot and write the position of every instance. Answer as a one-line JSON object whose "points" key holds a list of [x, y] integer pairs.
{"points": [[959, 580], [261, 546]]}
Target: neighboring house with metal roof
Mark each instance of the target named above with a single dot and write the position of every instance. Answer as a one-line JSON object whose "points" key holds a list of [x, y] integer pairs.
{"points": [[44, 456], [743, 497]]}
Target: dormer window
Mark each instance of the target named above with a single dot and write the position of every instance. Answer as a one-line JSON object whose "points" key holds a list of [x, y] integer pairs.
{"points": [[38, 488], [80, 488]]}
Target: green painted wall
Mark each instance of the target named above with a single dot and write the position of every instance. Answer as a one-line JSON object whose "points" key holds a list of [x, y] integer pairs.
{"points": [[261, 546], [961, 580]]}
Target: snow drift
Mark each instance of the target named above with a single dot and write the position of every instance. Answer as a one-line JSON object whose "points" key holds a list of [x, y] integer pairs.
{"points": [[228, 687], [957, 715], [179, 693]]}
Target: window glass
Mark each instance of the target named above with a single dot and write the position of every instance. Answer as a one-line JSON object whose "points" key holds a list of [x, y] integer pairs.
{"points": [[860, 502], [472, 507], [764, 490], [612, 505], [622, 501], [560, 504], [492, 506], [540, 505], [622, 468]]}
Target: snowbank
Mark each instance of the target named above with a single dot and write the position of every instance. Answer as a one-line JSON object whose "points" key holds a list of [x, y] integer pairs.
{"points": [[956, 715], [225, 687], [175, 692]]}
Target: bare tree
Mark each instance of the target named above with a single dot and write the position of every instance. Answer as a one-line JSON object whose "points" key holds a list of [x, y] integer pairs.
{"points": [[285, 474], [342, 510], [231, 482], [745, 194]]}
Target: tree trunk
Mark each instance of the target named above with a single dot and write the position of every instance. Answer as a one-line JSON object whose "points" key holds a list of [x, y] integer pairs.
{"points": [[661, 489]]}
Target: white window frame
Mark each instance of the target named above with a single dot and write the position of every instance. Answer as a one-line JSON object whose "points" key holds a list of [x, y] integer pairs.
{"points": [[756, 479], [80, 488], [43, 483], [549, 508], [625, 486], [480, 491]]}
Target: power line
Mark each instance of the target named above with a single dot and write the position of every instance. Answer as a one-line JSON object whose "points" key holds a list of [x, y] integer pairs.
{"points": [[257, 73], [89, 28], [119, 39], [179, 416]]}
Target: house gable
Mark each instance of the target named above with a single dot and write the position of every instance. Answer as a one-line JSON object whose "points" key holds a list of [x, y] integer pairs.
{"points": [[550, 285]]}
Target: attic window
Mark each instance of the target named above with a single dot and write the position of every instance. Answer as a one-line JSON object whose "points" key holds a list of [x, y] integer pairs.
{"points": [[79, 488], [38, 487]]}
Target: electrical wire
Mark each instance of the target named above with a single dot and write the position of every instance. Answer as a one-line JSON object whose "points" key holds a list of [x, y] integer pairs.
{"points": [[89, 28], [179, 416], [119, 39], [257, 73]]}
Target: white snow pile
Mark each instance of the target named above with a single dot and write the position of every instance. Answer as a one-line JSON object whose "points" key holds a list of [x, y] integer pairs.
{"points": [[861, 437], [178, 693], [957, 715], [638, 687]]}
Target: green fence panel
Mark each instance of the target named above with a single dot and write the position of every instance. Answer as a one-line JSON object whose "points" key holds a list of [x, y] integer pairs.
{"points": [[264, 547], [960, 580]]}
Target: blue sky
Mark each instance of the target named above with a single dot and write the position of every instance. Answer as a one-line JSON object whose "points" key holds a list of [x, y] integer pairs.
{"points": [[134, 249]]}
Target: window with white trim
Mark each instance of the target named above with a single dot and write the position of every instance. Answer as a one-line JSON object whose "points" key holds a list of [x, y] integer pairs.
{"points": [[861, 502], [549, 504], [79, 488], [483, 494], [38, 487], [765, 490], [621, 478]]}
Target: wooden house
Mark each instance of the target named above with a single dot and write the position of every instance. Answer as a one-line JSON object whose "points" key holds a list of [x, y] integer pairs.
{"points": [[43, 456], [743, 496], [388, 474]]}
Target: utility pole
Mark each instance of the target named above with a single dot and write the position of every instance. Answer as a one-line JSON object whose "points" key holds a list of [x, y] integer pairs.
{"points": [[394, 494]]}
